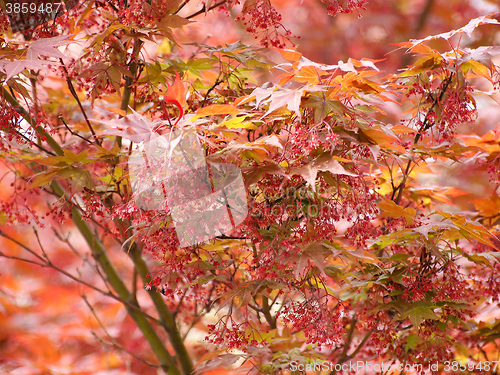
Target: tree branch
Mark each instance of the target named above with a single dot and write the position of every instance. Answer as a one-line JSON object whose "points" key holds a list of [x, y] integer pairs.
{"points": [[75, 95], [425, 126], [167, 362], [266, 310], [47, 263], [113, 342], [60, 118], [38, 129], [423, 17], [344, 357], [127, 90], [166, 316], [204, 9]]}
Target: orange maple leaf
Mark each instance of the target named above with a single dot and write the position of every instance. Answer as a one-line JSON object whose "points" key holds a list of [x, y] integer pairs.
{"points": [[176, 94]]}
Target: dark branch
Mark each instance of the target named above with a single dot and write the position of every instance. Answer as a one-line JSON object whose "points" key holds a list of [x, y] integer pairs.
{"points": [[204, 9]]}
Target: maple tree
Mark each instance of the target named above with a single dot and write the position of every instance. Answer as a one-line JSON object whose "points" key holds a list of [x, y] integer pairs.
{"points": [[354, 214]]}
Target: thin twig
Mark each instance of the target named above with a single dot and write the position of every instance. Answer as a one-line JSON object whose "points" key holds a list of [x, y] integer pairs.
{"points": [[203, 10], [218, 81], [21, 111], [12, 239], [75, 95], [113, 342], [60, 118], [48, 263], [113, 6], [344, 357], [181, 6], [425, 126], [37, 128], [3, 255]]}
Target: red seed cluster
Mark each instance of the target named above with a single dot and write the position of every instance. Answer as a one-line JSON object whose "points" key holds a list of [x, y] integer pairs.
{"points": [[264, 21], [321, 323], [335, 7]]}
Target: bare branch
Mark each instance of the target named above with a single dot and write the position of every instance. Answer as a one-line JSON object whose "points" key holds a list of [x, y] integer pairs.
{"points": [[204, 9]]}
